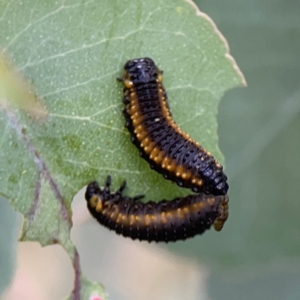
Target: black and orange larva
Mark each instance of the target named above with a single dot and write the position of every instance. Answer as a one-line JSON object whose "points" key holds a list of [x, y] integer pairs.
{"points": [[160, 141], [164, 221], [172, 153]]}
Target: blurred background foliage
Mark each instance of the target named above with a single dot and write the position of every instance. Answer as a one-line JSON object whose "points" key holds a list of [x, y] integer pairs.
{"points": [[256, 256], [259, 129]]}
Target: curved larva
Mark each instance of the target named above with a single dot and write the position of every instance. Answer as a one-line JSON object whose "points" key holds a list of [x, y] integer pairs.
{"points": [[164, 221], [160, 141]]}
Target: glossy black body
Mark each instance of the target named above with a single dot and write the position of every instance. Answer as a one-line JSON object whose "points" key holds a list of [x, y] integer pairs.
{"points": [[144, 75], [197, 218]]}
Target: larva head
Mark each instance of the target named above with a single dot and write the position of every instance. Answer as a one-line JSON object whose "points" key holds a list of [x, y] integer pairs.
{"points": [[139, 71], [93, 196], [91, 190]]}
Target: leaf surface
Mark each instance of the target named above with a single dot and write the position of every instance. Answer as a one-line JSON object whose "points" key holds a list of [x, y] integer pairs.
{"points": [[72, 53]]}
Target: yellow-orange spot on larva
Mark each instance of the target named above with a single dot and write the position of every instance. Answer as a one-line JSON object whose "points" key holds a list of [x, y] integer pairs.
{"points": [[149, 147], [186, 211], [105, 211], [186, 175], [180, 213], [211, 201], [137, 218], [170, 215], [133, 108], [162, 100], [218, 165], [132, 96], [153, 218], [99, 206], [94, 201], [131, 220], [139, 132], [159, 78], [134, 116], [147, 220], [139, 129], [200, 182], [142, 135], [133, 103], [194, 180], [138, 120], [154, 152], [159, 157], [166, 113], [145, 142], [200, 204], [119, 218], [163, 217], [197, 206], [172, 166], [165, 162], [128, 83], [179, 171], [192, 208]]}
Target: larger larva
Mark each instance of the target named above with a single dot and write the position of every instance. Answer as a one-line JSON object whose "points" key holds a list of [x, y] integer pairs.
{"points": [[160, 141]]}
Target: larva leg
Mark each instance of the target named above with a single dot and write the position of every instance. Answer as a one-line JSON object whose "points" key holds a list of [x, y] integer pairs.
{"points": [[107, 184], [138, 197], [121, 188], [125, 100]]}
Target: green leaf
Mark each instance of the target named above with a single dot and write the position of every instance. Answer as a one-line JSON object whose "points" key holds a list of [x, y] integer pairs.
{"points": [[72, 53]]}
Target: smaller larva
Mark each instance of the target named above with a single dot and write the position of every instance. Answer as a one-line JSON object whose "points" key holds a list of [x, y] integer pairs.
{"points": [[165, 221]]}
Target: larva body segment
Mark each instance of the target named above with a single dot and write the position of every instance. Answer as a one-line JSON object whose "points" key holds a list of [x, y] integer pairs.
{"points": [[169, 150], [165, 221]]}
